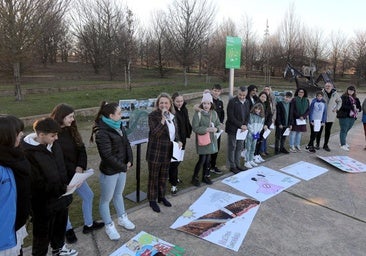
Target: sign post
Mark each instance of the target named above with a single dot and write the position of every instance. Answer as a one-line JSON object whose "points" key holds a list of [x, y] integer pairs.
{"points": [[232, 61]]}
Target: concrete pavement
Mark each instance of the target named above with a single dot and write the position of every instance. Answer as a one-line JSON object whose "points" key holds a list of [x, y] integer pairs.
{"points": [[323, 216]]}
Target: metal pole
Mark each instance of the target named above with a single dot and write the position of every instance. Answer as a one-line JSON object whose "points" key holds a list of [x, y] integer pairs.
{"points": [[231, 83]]}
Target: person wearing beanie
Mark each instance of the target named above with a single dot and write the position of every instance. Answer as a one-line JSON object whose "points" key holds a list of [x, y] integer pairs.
{"points": [[205, 123], [75, 158], [347, 114]]}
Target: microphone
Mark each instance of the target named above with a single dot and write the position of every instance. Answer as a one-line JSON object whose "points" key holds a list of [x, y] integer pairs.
{"points": [[167, 116]]}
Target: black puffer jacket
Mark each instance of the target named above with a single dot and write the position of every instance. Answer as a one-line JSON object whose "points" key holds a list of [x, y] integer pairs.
{"points": [[347, 106], [48, 175], [114, 149]]}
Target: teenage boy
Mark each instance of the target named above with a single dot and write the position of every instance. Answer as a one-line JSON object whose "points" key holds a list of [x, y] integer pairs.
{"points": [[48, 184], [283, 121], [317, 113], [219, 108]]}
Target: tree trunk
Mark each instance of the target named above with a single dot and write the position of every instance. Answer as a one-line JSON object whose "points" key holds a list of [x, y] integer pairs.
{"points": [[185, 77], [18, 90]]}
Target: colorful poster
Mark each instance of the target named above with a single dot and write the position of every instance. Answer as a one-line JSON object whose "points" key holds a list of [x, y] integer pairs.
{"points": [[149, 245], [219, 217], [304, 170], [345, 163], [261, 182]]}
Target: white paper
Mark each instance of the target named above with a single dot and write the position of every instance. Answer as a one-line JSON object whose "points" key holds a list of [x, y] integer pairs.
{"points": [[78, 179], [241, 135], [287, 132], [317, 125], [272, 126], [178, 153], [218, 134], [300, 122], [266, 133]]}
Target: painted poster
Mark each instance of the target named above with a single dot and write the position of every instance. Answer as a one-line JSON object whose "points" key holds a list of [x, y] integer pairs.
{"points": [[304, 170], [261, 182], [345, 163], [219, 217], [145, 244]]}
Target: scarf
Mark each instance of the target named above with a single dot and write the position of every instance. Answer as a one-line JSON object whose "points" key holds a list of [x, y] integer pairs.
{"points": [[353, 113], [111, 123], [301, 105]]}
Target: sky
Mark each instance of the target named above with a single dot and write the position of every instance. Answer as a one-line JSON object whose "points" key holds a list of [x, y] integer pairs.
{"points": [[326, 15]]}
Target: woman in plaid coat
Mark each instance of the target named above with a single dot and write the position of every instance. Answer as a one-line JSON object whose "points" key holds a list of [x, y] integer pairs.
{"points": [[163, 131]]}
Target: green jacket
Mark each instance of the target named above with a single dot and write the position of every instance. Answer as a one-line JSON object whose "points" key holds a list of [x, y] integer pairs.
{"points": [[200, 122]]}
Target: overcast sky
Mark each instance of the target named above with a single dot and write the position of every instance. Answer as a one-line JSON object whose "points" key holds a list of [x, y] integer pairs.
{"points": [[327, 15]]}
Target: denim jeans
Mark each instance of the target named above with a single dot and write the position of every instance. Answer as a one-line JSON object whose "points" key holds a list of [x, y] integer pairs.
{"points": [[345, 125], [111, 187], [86, 195], [295, 138], [234, 149], [250, 144]]}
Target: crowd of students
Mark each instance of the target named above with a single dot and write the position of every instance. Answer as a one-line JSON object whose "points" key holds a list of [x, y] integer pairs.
{"points": [[35, 170]]}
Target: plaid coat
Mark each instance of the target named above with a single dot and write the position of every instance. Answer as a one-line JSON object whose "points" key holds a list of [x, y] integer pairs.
{"points": [[159, 146]]}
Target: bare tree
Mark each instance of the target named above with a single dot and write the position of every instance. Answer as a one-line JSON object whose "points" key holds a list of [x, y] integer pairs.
{"points": [[289, 33], [337, 43], [358, 47], [249, 52], [188, 25], [315, 46], [21, 25]]}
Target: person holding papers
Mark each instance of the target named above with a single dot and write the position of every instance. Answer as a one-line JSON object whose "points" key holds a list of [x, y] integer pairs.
{"points": [[299, 113], [163, 131], [268, 117], [255, 126], [115, 160], [185, 130], [205, 123], [237, 120], [317, 118], [283, 123], [75, 158], [49, 181]]}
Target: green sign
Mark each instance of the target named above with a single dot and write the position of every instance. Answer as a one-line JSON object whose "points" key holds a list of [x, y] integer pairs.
{"points": [[233, 52]]}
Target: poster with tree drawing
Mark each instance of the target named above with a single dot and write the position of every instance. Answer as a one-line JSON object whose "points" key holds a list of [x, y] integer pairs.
{"points": [[219, 217], [345, 163]]}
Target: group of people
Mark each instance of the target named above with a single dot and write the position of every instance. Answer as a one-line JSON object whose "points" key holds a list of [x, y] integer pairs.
{"points": [[35, 170]]}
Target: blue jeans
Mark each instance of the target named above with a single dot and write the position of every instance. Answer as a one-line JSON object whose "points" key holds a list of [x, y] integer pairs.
{"points": [[111, 186], [263, 148], [250, 144], [234, 150], [345, 125], [86, 195], [295, 138]]}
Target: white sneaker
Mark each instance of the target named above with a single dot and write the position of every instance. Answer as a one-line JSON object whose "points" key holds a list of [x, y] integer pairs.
{"points": [[256, 160], [64, 251], [252, 163], [125, 222], [293, 149], [260, 158], [298, 148], [344, 147], [111, 231], [248, 165]]}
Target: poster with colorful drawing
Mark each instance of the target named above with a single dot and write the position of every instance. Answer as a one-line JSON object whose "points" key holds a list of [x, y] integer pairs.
{"points": [[345, 163], [261, 182], [145, 244], [304, 170], [219, 217]]}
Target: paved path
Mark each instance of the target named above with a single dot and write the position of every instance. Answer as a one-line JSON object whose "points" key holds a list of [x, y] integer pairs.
{"points": [[323, 216]]}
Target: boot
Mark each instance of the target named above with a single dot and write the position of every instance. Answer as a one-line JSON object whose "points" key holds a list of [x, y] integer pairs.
{"points": [[195, 181], [206, 179]]}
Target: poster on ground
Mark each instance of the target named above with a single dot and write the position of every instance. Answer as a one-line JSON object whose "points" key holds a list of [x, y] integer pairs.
{"points": [[261, 182], [345, 163], [145, 244], [304, 170], [219, 217]]}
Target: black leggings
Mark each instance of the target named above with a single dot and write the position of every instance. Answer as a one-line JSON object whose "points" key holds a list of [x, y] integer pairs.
{"points": [[328, 127], [204, 160]]}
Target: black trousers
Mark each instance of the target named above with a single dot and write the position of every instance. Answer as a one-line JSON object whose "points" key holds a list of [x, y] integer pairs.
{"points": [[48, 229], [214, 156], [203, 161], [328, 128], [280, 139]]}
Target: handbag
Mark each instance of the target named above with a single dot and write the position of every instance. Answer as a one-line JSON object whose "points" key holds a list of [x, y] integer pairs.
{"points": [[203, 139]]}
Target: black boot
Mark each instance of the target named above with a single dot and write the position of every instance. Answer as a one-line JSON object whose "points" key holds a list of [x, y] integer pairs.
{"points": [[195, 181], [206, 179], [154, 206], [165, 202]]}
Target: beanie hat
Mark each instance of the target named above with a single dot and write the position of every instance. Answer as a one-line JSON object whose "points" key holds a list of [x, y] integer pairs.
{"points": [[207, 97]]}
